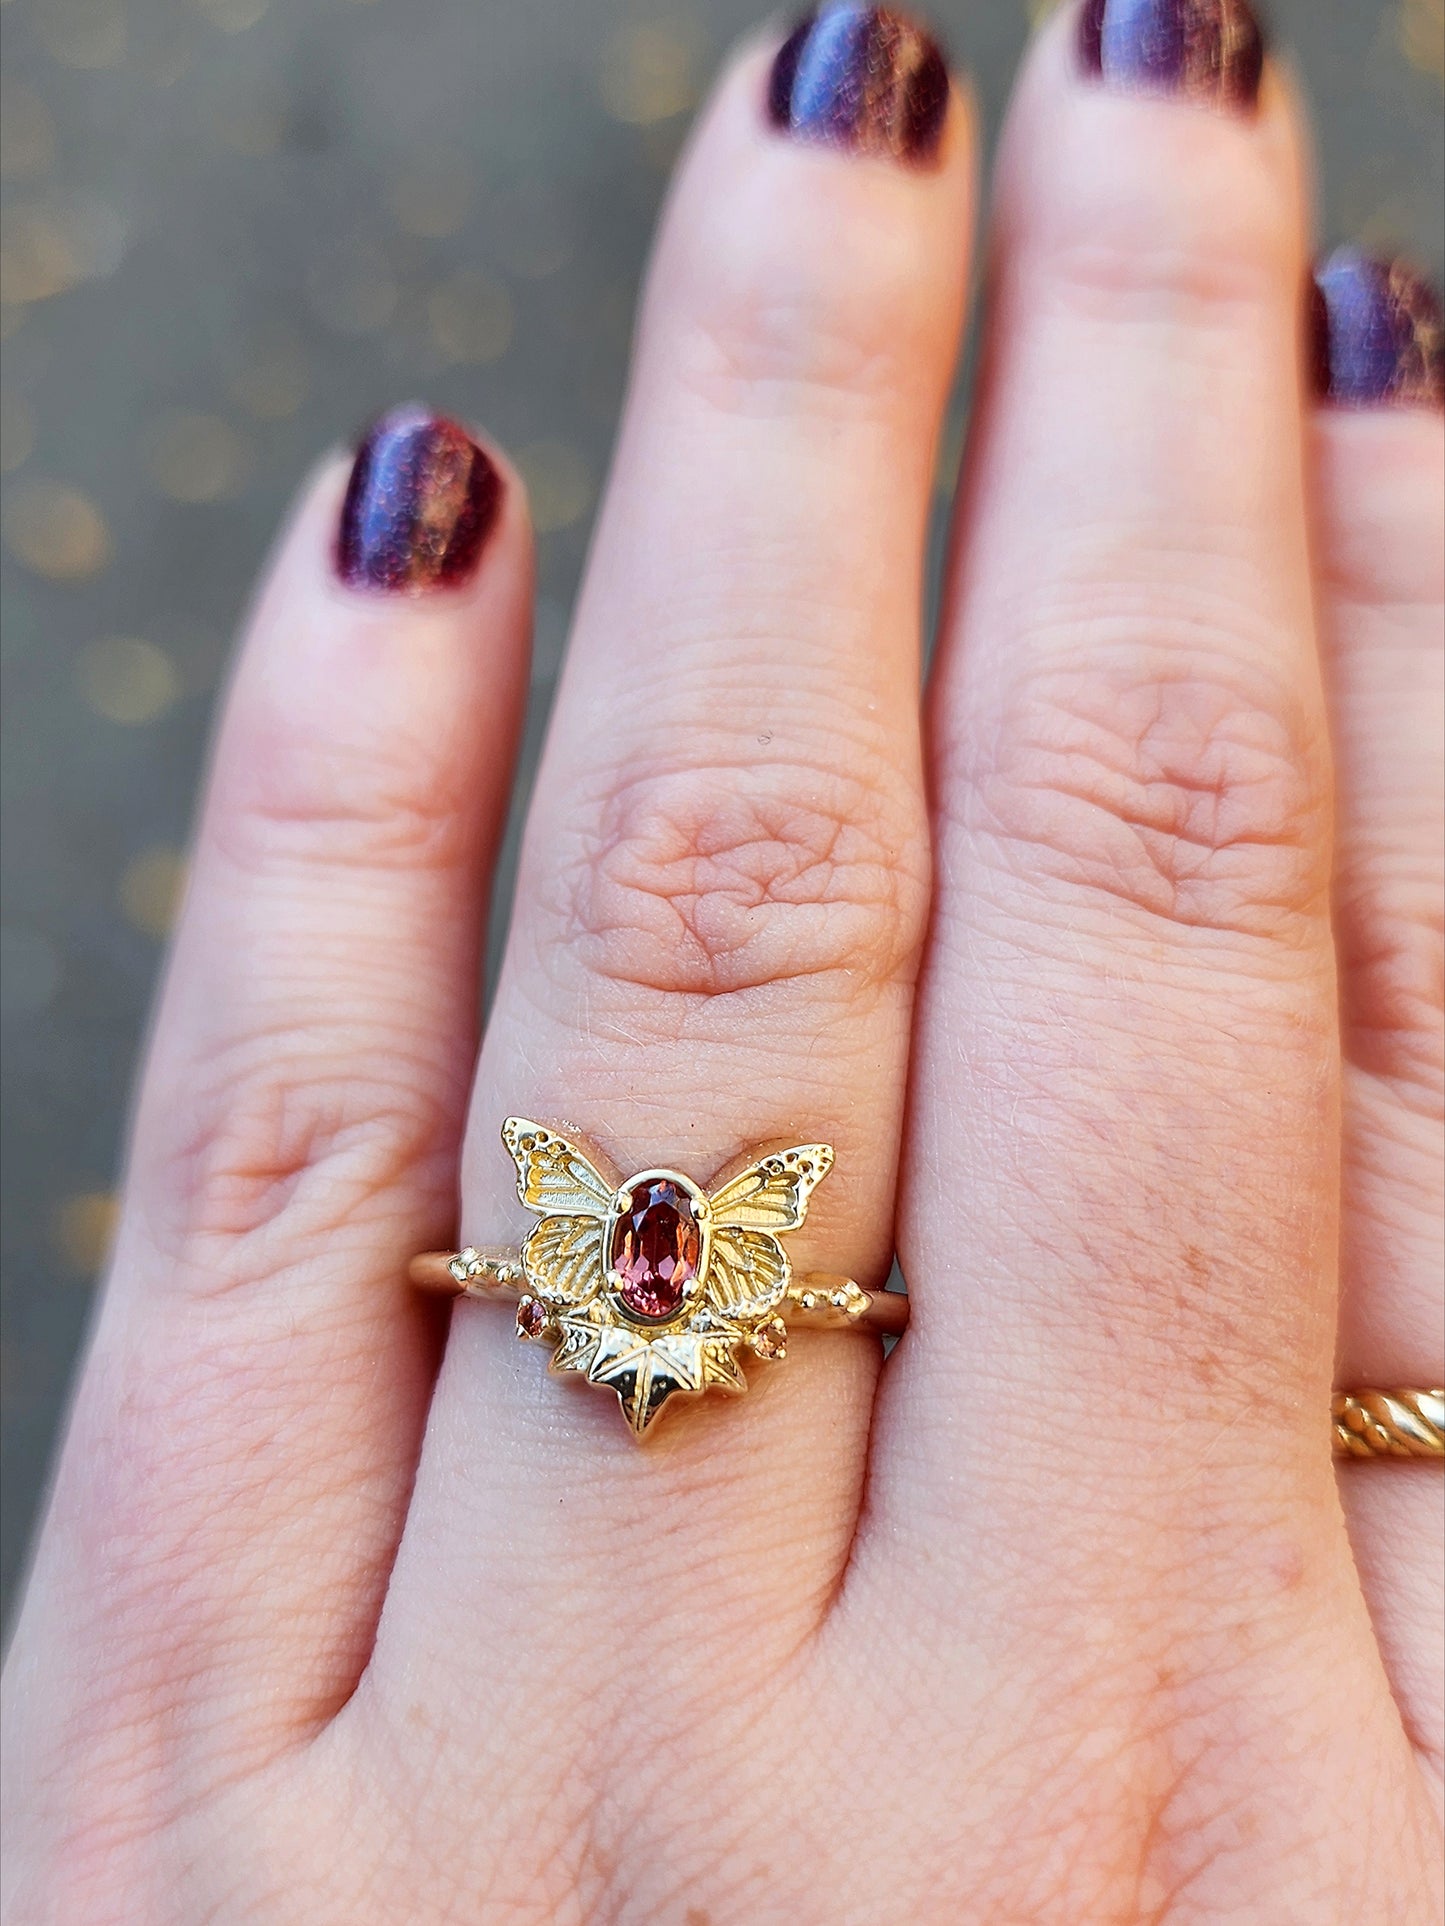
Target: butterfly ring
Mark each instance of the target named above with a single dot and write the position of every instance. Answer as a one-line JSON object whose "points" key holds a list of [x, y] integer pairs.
{"points": [[655, 1287]]}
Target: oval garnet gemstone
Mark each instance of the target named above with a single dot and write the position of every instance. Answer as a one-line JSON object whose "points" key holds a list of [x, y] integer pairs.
{"points": [[655, 1249]]}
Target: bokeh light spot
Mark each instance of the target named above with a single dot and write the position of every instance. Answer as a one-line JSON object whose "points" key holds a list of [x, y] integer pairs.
{"points": [[48, 247], [650, 71], [1422, 36], [559, 486], [85, 1230], [127, 680], [37, 258], [56, 531], [196, 457], [268, 377], [27, 133], [82, 33], [470, 318], [351, 289], [433, 199], [151, 888]]}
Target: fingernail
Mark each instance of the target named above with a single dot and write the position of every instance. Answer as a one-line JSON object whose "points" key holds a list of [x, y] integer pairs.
{"points": [[861, 78], [421, 502], [1205, 50], [1379, 335]]}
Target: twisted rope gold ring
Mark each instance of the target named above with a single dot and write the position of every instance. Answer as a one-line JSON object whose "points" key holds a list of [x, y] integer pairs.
{"points": [[1389, 1424]]}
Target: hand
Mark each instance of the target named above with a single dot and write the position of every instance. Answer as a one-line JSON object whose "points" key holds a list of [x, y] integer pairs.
{"points": [[1067, 1617]]}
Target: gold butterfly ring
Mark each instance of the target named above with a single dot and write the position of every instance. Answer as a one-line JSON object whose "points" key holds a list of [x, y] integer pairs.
{"points": [[654, 1287]]}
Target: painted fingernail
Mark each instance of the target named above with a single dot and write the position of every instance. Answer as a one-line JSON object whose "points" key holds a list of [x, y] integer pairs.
{"points": [[421, 502], [1379, 334], [1205, 50], [861, 78]]}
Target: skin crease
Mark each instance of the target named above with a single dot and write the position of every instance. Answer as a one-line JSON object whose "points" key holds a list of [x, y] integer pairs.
{"points": [[340, 1617]]}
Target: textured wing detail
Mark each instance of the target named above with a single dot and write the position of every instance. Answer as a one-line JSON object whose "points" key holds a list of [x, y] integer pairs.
{"points": [[772, 1194], [553, 1177], [747, 1272], [563, 1259]]}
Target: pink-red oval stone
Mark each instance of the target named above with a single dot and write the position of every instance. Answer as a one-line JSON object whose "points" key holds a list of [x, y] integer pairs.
{"points": [[656, 1247]]}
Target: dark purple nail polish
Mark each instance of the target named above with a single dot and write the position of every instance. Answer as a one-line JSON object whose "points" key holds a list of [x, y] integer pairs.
{"points": [[1206, 50], [862, 78], [419, 507], [1378, 332]]}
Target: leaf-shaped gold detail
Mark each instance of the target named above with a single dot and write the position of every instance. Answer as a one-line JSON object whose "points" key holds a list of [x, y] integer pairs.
{"points": [[645, 1372], [563, 1259], [554, 1178], [772, 1194], [747, 1272]]}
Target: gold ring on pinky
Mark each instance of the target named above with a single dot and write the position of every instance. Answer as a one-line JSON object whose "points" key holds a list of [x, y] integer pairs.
{"points": [[1389, 1424], [655, 1288]]}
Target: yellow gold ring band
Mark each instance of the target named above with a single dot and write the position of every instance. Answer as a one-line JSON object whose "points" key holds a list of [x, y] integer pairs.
{"points": [[1389, 1424], [819, 1300]]}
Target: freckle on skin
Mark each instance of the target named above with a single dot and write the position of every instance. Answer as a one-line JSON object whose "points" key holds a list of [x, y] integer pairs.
{"points": [[1287, 1567]]}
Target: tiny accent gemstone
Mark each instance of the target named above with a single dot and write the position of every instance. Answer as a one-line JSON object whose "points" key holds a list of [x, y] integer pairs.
{"points": [[770, 1340], [531, 1318], [656, 1249]]}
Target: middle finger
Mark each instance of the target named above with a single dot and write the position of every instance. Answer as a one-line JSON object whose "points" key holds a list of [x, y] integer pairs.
{"points": [[723, 883]]}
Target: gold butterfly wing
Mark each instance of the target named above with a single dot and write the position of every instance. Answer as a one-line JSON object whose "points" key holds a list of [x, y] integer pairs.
{"points": [[563, 1255], [748, 1269]]}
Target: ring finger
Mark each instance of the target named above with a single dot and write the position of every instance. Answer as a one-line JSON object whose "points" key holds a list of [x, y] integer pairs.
{"points": [[1379, 474]]}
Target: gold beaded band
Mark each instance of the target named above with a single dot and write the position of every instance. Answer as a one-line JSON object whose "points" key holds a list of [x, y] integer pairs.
{"points": [[820, 1299], [1389, 1424]]}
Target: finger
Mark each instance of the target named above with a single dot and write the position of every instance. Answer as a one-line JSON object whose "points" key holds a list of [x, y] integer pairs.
{"points": [[1119, 1199], [1379, 466], [247, 1425], [724, 876]]}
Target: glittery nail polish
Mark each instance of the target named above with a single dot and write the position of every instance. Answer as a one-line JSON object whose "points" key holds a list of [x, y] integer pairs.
{"points": [[1205, 50], [861, 78], [1378, 332], [421, 502]]}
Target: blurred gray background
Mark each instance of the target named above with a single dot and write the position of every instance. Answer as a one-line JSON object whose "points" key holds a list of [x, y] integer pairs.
{"points": [[232, 231]]}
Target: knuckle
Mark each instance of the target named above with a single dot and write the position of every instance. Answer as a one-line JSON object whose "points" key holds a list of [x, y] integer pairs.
{"points": [[766, 334], [1195, 281], [1191, 790], [281, 1147], [704, 882], [326, 806], [1128, 242]]}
